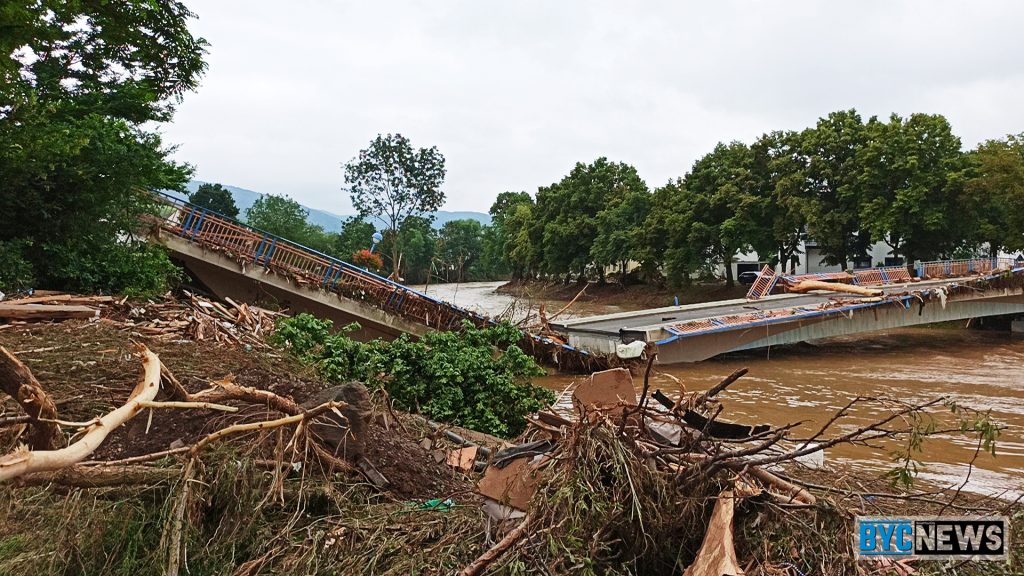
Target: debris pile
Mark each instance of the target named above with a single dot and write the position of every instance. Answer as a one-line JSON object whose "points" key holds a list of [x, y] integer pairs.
{"points": [[197, 318], [189, 317], [222, 459], [650, 485]]}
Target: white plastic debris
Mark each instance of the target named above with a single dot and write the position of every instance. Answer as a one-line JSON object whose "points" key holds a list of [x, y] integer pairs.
{"points": [[814, 460], [631, 350]]}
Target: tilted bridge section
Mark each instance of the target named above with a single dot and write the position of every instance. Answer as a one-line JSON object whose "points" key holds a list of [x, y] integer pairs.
{"points": [[234, 260], [942, 291]]}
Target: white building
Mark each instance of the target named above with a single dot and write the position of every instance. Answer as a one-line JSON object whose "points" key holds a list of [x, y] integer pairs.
{"points": [[810, 260]]}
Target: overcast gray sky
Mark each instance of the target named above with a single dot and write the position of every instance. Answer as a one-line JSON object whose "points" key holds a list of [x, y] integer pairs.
{"points": [[515, 93]]}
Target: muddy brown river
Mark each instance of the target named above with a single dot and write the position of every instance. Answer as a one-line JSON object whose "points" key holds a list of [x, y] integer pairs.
{"points": [[809, 382]]}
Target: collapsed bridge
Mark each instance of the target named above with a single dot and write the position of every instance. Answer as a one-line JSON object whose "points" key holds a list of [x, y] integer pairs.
{"points": [[238, 261], [943, 291]]}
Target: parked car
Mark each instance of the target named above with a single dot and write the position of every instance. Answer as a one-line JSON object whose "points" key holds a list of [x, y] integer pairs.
{"points": [[748, 277]]}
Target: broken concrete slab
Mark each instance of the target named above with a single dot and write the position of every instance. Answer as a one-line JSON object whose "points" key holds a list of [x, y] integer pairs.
{"points": [[606, 389], [513, 485], [463, 459]]}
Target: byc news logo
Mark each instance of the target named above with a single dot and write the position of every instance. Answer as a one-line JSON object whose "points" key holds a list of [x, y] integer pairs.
{"points": [[931, 538]]}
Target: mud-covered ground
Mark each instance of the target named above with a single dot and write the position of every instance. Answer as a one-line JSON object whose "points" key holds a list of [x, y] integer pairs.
{"points": [[89, 368]]}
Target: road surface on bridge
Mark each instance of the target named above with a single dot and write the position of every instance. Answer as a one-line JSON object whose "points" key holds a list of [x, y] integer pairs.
{"points": [[648, 319]]}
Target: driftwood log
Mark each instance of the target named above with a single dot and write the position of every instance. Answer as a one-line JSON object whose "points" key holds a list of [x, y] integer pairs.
{"points": [[17, 380], [80, 476], [23, 461], [808, 285]]}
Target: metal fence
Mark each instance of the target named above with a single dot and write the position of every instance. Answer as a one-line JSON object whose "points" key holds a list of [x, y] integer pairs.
{"points": [[309, 266], [960, 268]]}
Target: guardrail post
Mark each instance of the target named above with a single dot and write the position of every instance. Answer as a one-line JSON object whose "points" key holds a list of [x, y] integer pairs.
{"points": [[327, 275], [197, 223], [259, 249], [269, 252], [187, 222]]}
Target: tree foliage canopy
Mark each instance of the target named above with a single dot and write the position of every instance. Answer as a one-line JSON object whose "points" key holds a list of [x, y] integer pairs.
{"points": [[392, 181], [283, 216], [78, 82], [995, 195], [215, 197]]}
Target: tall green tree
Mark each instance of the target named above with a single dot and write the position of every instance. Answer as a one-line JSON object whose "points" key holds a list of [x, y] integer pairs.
{"points": [[494, 262], [287, 218], [523, 240], [995, 194], [460, 246], [620, 237], [724, 207], [667, 242], [834, 188], [392, 181], [779, 170], [497, 238], [913, 175], [81, 84], [566, 213], [215, 197]]}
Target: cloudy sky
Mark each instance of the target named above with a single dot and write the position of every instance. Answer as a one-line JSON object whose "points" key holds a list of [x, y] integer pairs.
{"points": [[515, 93]]}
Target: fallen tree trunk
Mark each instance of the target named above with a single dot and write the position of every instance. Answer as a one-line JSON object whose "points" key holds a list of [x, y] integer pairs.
{"points": [[46, 312], [22, 461], [101, 476], [17, 380], [808, 285]]}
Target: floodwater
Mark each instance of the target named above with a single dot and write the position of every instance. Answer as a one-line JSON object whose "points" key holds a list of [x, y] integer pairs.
{"points": [[481, 297], [810, 382]]}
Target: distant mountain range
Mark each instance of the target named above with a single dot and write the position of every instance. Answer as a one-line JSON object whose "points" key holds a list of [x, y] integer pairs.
{"points": [[329, 221]]}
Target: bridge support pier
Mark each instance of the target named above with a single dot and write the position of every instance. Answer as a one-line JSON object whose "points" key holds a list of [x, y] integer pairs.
{"points": [[1017, 325]]}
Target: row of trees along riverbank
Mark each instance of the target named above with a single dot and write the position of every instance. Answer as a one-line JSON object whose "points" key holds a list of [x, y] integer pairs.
{"points": [[845, 182]]}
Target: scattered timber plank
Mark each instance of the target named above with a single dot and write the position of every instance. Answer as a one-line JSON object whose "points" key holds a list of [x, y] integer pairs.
{"points": [[46, 312], [63, 298]]}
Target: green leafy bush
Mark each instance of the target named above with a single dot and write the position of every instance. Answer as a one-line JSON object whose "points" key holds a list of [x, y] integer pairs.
{"points": [[133, 268], [477, 378], [15, 269]]}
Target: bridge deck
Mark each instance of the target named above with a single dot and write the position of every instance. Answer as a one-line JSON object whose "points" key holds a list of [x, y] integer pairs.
{"points": [[648, 320], [695, 332]]}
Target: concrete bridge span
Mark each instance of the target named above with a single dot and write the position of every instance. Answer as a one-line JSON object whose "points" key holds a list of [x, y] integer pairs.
{"points": [[700, 331], [237, 261]]}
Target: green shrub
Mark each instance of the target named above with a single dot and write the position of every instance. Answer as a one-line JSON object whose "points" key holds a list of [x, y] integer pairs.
{"points": [[477, 378], [15, 269], [133, 268]]}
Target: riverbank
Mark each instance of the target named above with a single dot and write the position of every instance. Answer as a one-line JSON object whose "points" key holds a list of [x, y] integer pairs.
{"points": [[263, 500]]}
